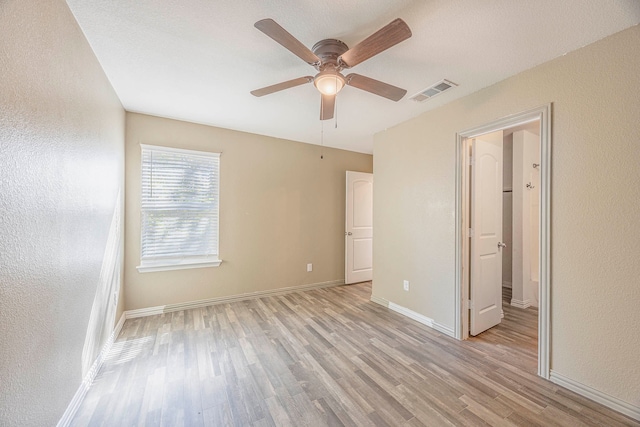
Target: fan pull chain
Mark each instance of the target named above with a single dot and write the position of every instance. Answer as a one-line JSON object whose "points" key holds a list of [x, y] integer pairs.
{"points": [[321, 139]]}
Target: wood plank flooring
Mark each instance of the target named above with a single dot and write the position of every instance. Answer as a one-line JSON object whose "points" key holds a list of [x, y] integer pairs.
{"points": [[326, 357]]}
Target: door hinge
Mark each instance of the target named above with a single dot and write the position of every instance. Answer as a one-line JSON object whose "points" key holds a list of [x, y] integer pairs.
{"points": [[469, 304], [471, 232], [471, 160]]}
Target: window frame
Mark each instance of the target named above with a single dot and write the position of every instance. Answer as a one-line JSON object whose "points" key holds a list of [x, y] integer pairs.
{"points": [[188, 261]]}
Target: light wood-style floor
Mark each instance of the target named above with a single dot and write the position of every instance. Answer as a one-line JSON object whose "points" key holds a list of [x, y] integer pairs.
{"points": [[326, 357]]}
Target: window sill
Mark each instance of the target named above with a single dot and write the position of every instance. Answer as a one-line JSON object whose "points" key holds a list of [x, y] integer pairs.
{"points": [[150, 268]]}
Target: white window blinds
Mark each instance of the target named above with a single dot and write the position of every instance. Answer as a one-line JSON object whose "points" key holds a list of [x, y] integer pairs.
{"points": [[179, 208]]}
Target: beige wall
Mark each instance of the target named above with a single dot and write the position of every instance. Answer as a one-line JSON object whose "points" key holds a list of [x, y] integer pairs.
{"points": [[62, 174], [595, 232], [281, 207]]}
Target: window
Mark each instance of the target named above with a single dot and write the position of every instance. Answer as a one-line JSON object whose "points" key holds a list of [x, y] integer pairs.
{"points": [[179, 209]]}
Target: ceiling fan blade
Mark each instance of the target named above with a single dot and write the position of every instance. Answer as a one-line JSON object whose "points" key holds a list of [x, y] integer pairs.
{"points": [[281, 86], [376, 87], [327, 107], [386, 37], [279, 34]]}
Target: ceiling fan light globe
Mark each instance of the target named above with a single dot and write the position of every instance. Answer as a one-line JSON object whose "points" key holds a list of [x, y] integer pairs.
{"points": [[329, 83]]}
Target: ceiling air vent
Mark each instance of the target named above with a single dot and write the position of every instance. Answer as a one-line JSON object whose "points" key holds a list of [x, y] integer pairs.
{"points": [[433, 90]]}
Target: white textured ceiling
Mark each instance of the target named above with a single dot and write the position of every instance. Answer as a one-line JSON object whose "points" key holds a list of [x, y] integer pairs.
{"points": [[197, 60]]}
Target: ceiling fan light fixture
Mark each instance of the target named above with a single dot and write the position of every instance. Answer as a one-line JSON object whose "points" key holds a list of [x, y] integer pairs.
{"points": [[330, 57], [329, 82]]}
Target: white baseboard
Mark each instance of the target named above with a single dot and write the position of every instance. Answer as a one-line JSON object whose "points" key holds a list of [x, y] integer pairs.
{"points": [[150, 311], [443, 329], [614, 403], [421, 319], [411, 314], [379, 300], [520, 304], [71, 410]]}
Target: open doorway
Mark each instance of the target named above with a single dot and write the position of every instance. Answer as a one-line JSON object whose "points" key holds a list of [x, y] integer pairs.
{"points": [[521, 215], [489, 192], [503, 200]]}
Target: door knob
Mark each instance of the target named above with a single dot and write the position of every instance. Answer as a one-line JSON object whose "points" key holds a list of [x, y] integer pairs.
{"points": [[501, 245], [348, 233]]}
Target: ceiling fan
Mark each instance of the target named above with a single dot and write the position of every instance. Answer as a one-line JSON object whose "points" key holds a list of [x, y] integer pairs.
{"points": [[331, 56]]}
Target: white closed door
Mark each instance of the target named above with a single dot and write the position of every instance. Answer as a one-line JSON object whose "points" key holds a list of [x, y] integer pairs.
{"points": [[359, 228], [486, 233]]}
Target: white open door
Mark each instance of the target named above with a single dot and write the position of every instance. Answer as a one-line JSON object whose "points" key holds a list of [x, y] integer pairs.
{"points": [[359, 228], [486, 233]]}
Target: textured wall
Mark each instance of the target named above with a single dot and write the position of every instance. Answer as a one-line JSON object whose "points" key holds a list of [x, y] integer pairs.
{"points": [[61, 166], [281, 207], [594, 215]]}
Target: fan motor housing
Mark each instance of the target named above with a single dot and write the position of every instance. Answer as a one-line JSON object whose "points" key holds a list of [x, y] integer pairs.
{"points": [[328, 50]]}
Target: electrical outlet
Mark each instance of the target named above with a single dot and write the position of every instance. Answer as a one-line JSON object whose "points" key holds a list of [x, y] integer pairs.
{"points": [[405, 283], [309, 267]]}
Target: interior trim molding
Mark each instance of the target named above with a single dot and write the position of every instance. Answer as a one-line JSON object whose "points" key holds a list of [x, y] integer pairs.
{"points": [[71, 410], [151, 311], [444, 329], [605, 399], [461, 319], [379, 300], [411, 314], [520, 304], [177, 266], [421, 319]]}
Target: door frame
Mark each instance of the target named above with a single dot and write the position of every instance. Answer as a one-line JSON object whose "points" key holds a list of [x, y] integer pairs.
{"points": [[461, 320]]}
